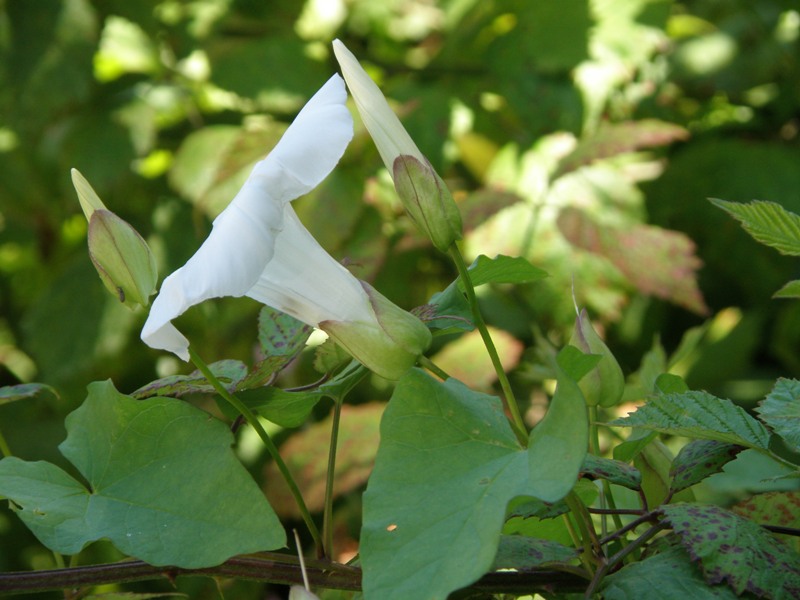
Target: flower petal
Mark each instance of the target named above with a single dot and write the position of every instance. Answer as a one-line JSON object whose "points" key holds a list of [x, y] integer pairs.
{"points": [[241, 242]]}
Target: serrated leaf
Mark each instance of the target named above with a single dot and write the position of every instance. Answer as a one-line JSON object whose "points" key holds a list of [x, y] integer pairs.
{"points": [[22, 391], [523, 553], [735, 550], [664, 576], [698, 415], [659, 262], [163, 481], [698, 459], [503, 269], [790, 290], [767, 222], [613, 471], [533, 507], [447, 465], [781, 509], [781, 411], [229, 373]]}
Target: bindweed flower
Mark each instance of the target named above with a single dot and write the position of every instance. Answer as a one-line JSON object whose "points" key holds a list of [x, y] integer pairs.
{"points": [[122, 258], [605, 383], [259, 248], [423, 193]]}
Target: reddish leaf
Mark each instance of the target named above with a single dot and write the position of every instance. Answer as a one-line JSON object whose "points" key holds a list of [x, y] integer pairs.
{"points": [[657, 261], [773, 508]]}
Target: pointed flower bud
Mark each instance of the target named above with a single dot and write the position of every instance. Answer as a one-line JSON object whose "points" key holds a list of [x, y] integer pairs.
{"points": [[259, 248], [605, 383], [422, 191], [122, 258]]}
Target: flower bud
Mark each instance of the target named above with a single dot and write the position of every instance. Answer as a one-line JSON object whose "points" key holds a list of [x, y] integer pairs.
{"points": [[427, 200], [122, 258], [389, 344], [605, 383]]}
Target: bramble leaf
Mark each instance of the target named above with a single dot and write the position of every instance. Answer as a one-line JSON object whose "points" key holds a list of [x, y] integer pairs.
{"points": [[735, 550], [781, 411], [162, 478], [229, 373], [698, 459], [767, 222], [698, 415], [11, 393], [525, 553]]}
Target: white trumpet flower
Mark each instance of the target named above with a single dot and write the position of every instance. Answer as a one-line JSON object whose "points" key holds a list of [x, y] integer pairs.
{"points": [[259, 248]]}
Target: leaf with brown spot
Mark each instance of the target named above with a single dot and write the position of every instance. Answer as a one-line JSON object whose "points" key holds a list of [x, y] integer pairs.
{"points": [[781, 509], [698, 459], [656, 261]]}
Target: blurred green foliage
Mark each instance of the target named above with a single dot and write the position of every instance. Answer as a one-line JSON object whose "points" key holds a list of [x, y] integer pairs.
{"points": [[585, 135]]}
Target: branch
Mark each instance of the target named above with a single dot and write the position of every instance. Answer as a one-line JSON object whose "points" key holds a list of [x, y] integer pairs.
{"points": [[265, 567]]}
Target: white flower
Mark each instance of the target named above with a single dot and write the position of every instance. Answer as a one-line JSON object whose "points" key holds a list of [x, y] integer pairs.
{"points": [[259, 248]]}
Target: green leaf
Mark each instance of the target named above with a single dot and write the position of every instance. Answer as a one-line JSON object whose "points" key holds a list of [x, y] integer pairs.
{"points": [[447, 465], [450, 310], [229, 373], [790, 290], [781, 411], [735, 550], [664, 576], [162, 478], [503, 269], [767, 222], [613, 471], [558, 444], [698, 415], [698, 459], [575, 362], [524, 553], [11, 393], [287, 409], [667, 383], [781, 509]]}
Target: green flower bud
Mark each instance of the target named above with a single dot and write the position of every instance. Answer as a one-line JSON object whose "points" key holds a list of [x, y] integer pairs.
{"points": [[389, 344], [605, 383], [427, 200], [122, 258]]}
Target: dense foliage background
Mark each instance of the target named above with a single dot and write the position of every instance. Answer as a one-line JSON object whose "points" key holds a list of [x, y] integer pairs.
{"points": [[584, 135]]}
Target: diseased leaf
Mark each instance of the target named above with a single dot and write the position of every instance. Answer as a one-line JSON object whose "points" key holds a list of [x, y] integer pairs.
{"points": [[735, 550], [663, 576], [163, 481], [698, 459], [613, 471], [229, 373], [767, 222], [781, 509], [447, 465], [524, 553], [781, 411], [612, 139], [22, 391], [657, 261], [533, 507], [698, 415]]}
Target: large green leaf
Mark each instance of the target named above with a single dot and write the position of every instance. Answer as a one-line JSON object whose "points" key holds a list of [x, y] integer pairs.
{"points": [[162, 478], [446, 468], [698, 415], [781, 411], [768, 223], [503, 269], [736, 550]]}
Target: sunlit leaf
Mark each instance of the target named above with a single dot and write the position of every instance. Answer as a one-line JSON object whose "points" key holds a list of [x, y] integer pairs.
{"points": [[466, 359], [503, 269], [781, 509], [162, 478], [698, 415], [657, 261], [768, 223]]}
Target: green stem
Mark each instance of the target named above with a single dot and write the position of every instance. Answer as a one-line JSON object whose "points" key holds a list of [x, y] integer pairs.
{"points": [[591, 545], [251, 418], [327, 518], [4, 447], [517, 424], [427, 363]]}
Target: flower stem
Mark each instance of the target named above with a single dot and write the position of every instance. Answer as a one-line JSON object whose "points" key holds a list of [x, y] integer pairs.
{"points": [[251, 418], [517, 424], [327, 518], [427, 363]]}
